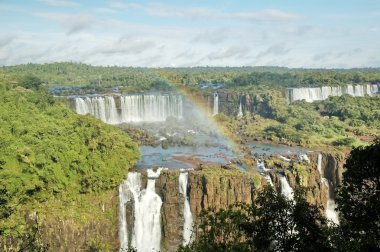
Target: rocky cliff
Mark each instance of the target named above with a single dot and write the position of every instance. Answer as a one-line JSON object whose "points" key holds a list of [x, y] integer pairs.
{"points": [[207, 189], [307, 175], [258, 103], [96, 227], [88, 224]]}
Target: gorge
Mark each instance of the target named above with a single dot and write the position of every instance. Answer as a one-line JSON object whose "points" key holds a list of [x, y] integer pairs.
{"points": [[193, 158], [151, 200], [189, 126], [182, 194]]}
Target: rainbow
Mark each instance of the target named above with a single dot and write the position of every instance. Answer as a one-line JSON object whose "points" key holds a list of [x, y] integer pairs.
{"points": [[201, 105]]}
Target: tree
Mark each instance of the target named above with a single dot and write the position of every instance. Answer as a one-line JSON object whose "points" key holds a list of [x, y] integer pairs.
{"points": [[271, 223], [30, 81], [359, 199]]}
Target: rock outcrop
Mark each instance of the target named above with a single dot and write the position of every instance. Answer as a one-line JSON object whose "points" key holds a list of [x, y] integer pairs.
{"points": [[207, 189], [94, 227], [257, 103], [307, 175]]}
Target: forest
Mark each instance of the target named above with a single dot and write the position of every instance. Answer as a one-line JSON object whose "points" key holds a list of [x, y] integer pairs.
{"points": [[141, 79], [50, 153]]}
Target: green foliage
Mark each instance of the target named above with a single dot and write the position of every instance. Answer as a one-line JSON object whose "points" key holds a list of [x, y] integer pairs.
{"points": [[348, 141], [337, 121], [356, 111], [47, 151], [359, 199], [30, 81], [77, 74], [240, 77], [271, 223]]}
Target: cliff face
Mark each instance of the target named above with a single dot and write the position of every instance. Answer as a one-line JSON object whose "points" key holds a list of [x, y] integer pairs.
{"points": [[331, 167], [76, 226], [219, 191], [308, 177], [213, 189], [207, 189], [254, 103], [167, 187], [307, 174]]}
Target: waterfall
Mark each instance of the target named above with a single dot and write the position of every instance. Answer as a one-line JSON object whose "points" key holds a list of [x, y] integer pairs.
{"points": [[261, 166], [216, 104], [188, 218], [286, 190], [331, 214], [123, 233], [322, 93], [240, 114], [146, 232], [303, 158], [319, 164], [133, 108]]}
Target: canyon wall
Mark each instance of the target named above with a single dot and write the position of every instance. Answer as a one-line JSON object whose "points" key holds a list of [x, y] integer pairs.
{"points": [[207, 189], [89, 224], [307, 174]]}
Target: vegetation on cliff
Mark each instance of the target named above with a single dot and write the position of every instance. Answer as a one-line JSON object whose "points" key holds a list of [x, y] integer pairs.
{"points": [[338, 121], [49, 152]]}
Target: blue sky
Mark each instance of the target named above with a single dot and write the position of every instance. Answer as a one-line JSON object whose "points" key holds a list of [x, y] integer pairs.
{"points": [[291, 33]]}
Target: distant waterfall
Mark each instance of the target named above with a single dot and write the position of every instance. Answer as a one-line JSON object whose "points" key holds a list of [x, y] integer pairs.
{"points": [[188, 218], [286, 190], [322, 93], [132, 108], [331, 214], [146, 232], [216, 104], [240, 114]]}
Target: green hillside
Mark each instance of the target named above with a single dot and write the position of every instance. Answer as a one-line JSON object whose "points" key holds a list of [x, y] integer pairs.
{"points": [[49, 152]]}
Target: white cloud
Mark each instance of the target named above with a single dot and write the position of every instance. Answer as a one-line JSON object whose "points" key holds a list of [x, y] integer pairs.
{"points": [[230, 52], [222, 38], [60, 3], [73, 23], [125, 6], [12, 8], [170, 11], [104, 10]]}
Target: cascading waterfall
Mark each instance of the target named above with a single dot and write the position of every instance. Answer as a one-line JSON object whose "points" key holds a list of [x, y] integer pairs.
{"points": [[322, 93], [319, 164], [216, 104], [146, 232], [133, 108], [188, 217], [331, 214], [261, 165], [240, 114], [123, 233], [286, 190]]}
